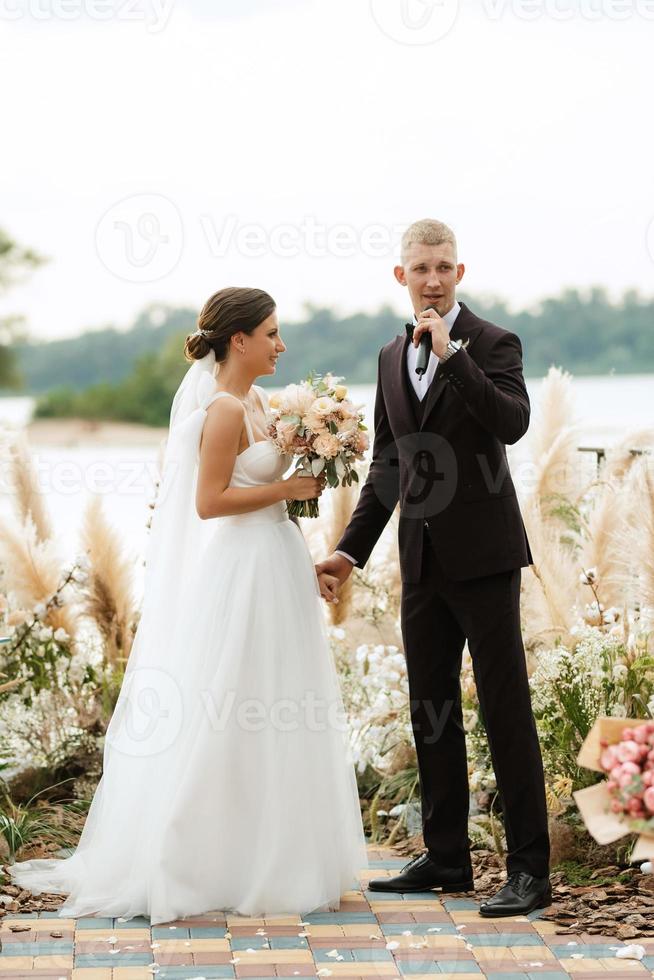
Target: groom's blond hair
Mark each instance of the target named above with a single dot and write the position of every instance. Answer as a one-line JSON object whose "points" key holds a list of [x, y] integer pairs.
{"points": [[427, 232]]}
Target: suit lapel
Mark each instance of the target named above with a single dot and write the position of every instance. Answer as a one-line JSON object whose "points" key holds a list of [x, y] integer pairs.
{"points": [[436, 389], [400, 383]]}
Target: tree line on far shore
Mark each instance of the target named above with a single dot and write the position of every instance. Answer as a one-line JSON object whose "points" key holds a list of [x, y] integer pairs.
{"points": [[131, 375]]}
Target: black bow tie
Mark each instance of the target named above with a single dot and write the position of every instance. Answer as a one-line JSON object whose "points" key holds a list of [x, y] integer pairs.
{"points": [[410, 327]]}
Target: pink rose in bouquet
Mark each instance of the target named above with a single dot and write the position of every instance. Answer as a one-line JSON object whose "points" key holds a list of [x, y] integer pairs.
{"points": [[316, 422], [629, 764], [623, 749]]}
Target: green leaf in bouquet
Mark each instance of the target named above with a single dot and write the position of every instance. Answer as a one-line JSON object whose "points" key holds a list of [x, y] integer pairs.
{"points": [[341, 468], [332, 478], [291, 418], [333, 428], [354, 475], [317, 465]]}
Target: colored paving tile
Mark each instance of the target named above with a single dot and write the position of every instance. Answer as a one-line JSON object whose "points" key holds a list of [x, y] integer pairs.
{"points": [[373, 935]]}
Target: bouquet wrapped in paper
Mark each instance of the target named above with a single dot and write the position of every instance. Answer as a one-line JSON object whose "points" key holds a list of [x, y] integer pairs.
{"points": [[316, 422], [622, 749]]}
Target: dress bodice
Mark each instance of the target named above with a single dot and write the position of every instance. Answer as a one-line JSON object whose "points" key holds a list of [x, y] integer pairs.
{"points": [[257, 465]]}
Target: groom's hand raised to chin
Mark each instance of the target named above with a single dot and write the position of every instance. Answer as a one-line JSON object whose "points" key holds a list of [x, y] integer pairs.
{"points": [[332, 573], [430, 322]]}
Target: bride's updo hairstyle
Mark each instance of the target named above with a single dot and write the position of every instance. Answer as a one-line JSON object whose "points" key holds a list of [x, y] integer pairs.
{"points": [[224, 314]]}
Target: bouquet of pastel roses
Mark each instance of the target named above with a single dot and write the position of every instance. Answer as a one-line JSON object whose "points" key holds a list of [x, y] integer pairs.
{"points": [[622, 749], [629, 765], [316, 422]]}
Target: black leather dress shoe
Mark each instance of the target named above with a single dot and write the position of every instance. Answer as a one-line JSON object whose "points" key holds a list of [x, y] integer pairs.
{"points": [[422, 874], [521, 894]]}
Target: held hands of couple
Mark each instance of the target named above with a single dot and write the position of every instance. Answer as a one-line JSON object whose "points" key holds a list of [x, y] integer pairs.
{"points": [[332, 573], [329, 586], [430, 321]]}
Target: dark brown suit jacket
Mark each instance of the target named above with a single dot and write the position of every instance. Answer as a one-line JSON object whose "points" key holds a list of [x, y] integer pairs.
{"points": [[449, 471]]}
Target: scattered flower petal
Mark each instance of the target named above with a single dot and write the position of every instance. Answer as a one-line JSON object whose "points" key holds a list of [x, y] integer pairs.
{"points": [[634, 951]]}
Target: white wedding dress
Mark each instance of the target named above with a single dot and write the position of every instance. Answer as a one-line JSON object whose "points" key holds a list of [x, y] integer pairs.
{"points": [[227, 782]]}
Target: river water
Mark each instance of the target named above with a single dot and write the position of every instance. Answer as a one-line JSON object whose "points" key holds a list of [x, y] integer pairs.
{"points": [[607, 409]]}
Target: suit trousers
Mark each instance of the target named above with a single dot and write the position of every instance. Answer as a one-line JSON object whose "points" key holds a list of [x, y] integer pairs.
{"points": [[437, 616]]}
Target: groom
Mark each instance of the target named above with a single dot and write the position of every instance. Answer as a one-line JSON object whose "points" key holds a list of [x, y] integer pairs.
{"points": [[439, 449]]}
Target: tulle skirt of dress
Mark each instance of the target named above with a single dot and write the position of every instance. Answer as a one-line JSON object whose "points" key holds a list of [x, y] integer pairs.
{"points": [[227, 782]]}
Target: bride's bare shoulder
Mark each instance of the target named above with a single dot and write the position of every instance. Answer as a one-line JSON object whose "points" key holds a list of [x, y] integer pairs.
{"points": [[224, 403], [224, 421]]}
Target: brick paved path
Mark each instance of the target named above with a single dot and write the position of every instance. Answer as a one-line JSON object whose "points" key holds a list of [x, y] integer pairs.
{"points": [[426, 936]]}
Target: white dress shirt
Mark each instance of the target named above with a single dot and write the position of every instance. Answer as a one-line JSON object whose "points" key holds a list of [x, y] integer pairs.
{"points": [[420, 385]]}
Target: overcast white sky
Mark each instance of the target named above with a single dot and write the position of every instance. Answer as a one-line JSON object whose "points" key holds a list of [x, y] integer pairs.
{"points": [[158, 150]]}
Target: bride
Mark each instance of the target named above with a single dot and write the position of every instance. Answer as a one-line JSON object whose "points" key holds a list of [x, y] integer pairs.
{"points": [[226, 779]]}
